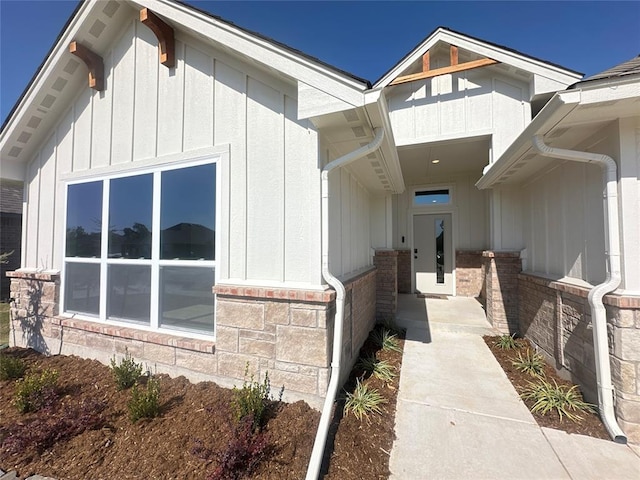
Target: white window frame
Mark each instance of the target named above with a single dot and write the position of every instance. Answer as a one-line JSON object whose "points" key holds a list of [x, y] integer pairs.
{"points": [[432, 188], [155, 262]]}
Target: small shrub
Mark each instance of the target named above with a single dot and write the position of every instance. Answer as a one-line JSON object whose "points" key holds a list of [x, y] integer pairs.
{"points": [[383, 338], [363, 401], [531, 363], [36, 391], [11, 368], [44, 432], [127, 372], [379, 368], [506, 342], [566, 401], [243, 453], [252, 399], [145, 403]]}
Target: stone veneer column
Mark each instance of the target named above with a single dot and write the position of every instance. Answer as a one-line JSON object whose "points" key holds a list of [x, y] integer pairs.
{"points": [[36, 298], [623, 316], [501, 283], [386, 262], [286, 332]]}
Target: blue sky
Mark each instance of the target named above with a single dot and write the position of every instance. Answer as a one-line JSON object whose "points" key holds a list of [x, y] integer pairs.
{"points": [[364, 38]]}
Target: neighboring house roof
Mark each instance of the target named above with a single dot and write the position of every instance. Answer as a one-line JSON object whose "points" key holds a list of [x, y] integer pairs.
{"points": [[630, 67], [556, 74], [568, 118]]}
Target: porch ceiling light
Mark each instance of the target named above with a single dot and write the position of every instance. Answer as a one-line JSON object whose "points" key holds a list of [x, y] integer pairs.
{"points": [[435, 161]]}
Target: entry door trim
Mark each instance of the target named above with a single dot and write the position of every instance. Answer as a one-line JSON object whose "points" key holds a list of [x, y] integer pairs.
{"points": [[442, 209]]}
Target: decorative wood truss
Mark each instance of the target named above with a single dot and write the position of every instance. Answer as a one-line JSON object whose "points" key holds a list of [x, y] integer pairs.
{"points": [[164, 33], [452, 68], [94, 63]]}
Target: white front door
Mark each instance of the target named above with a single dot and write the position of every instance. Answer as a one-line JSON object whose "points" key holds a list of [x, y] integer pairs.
{"points": [[433, 253]]}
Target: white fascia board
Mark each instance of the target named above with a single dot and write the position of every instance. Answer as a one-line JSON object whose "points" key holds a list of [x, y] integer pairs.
{"points": [[50, 64], [377, 110], [620, 88], [297, 67], [553, 112], [314, 103], [537, 67]]}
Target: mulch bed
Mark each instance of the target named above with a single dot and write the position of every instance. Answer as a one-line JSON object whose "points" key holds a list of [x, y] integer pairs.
{"points": [[186, 441], [590, 425]]}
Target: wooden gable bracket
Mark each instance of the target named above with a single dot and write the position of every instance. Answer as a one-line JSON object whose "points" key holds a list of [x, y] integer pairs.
{"points": [[164, 33], [94, 63], [452, 68]]}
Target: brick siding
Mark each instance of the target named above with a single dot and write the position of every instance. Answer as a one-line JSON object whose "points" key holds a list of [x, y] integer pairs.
{"points": [[470, 276]]}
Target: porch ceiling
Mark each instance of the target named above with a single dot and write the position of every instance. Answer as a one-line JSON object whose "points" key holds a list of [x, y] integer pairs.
{"points": [[456, 157]]}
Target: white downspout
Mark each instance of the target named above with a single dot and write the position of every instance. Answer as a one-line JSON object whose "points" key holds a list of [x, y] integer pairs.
{"points": [[315, 462], [611, 282]]}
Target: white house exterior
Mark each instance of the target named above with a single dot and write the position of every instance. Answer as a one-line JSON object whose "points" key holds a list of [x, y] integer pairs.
{"points": [[177, 211]]}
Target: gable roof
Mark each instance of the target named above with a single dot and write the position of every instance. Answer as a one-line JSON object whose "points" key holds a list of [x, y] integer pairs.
{"points": [[482, 47], [57, 79]]}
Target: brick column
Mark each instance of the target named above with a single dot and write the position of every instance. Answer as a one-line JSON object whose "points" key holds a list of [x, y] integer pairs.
{"points": [[386, 262], [404, 271], [501, 281]]}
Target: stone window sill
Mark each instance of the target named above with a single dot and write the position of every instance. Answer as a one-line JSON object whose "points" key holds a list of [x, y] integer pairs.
{"points": [[185, 343]]}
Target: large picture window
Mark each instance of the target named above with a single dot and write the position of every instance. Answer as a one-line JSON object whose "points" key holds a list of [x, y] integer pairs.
{"points": [[141, 249]]}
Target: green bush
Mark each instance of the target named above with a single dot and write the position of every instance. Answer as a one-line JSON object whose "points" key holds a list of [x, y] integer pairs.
{"points": [[145, 403], [127, 372], [531, 363], [36, 391], [252, 399], [11, 368], [506, 342], [565, 401], [385, 339], [363, 401], [378, 368]]}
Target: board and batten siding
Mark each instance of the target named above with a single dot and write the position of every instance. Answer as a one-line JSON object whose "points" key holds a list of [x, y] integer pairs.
{"points": [[469, 208], [465, 104], [349, 224], [210, 99]]}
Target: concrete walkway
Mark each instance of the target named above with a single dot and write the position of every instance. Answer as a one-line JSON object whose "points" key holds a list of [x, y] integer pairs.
{"points": [[458, 416]]}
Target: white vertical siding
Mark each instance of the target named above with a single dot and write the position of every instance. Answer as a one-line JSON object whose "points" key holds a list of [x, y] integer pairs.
{"points": [[124, 77], [170, 105], [230, 93], [198, 99], [349, 224], [208, 99], [564, 223], [265, 182], [475, 102], [145, 94]]}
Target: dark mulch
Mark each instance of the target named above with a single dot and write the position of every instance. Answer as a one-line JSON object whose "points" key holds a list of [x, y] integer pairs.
{"points": [[194, 428], [590, 425]]}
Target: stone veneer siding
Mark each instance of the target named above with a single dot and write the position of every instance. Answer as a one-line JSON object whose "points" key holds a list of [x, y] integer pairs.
{"points": [[386, 262], [404, 271], [501, 285], [287, 332], [470, 273], [557, 318]]}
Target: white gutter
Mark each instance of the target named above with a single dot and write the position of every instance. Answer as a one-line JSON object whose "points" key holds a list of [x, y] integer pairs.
{"points": [[612, 280], [315, 462]]}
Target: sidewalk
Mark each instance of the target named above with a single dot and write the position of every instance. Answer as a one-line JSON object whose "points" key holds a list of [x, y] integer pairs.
{"points": [[458, 417]]}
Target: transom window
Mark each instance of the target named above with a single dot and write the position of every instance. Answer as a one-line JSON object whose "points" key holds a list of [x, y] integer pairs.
{"points": [[432, 197], [141, 249]]}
